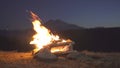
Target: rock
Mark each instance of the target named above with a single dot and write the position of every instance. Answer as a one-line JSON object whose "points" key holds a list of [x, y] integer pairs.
{"points": [[45, 55], [74, 55], [62, 58]]}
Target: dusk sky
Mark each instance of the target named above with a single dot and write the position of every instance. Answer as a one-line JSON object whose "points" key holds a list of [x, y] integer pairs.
{"points": [[85, 13]]}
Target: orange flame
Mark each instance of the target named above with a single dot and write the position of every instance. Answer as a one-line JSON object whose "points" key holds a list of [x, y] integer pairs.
{"points": [[43, 37]]}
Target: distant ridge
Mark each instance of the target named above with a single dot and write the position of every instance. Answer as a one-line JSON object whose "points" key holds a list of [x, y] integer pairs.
{"points": [[60, 25]]}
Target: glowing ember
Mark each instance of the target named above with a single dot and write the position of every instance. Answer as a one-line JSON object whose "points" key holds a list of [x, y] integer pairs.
{"points": [[60, 49], [43, 36]]}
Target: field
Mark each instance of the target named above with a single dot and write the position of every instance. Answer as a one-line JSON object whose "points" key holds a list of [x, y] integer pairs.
{"points": [[89, 60]]}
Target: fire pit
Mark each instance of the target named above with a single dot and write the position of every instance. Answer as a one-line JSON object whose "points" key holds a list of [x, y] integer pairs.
{"points": [[48, 45]]}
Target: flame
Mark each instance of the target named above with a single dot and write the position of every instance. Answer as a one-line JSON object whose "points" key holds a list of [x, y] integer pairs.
{"points": [[43, 36]]}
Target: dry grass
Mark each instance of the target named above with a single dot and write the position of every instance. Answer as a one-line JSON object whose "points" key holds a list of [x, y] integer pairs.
{"points": [[90, 60]]}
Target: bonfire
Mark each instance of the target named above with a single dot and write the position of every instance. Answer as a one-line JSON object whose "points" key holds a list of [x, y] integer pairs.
{"points": [[46, 43]]}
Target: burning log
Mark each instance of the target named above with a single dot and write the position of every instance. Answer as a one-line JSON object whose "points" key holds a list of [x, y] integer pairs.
{"points": [[62, 48], [50, 52]]}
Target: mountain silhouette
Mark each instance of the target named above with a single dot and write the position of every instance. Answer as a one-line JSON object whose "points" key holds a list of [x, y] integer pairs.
{"points": [[59, 25]]}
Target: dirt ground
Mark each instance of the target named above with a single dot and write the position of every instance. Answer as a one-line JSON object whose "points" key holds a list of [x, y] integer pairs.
{"points": [[91, 60]]}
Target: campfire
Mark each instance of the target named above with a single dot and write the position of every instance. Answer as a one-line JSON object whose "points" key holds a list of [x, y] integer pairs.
{"points": [[46, 42]]}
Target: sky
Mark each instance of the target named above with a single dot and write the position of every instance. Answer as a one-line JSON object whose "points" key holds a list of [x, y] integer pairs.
{"points": [[14, 14]]}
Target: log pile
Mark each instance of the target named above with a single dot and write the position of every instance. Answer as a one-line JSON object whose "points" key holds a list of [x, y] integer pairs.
{"points": [[54, 50]]}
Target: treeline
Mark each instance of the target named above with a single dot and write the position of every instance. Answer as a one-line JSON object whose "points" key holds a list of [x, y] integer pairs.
{"points": [[94, 39], [16, 40]]}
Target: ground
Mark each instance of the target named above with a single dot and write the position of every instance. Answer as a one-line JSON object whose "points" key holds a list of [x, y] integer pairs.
{"points": [[91, 60]]}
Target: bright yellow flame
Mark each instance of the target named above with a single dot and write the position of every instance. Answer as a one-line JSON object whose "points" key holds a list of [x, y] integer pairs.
{"points": [[43, 37]]}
